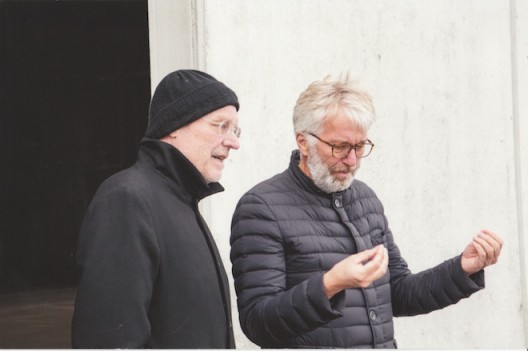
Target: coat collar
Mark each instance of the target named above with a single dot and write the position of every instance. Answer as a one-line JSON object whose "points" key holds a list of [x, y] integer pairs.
{"points": [[169, 161], [306, 182], [302, 179]]}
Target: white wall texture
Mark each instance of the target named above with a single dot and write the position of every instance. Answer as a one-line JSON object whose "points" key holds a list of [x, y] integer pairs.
{"points": [[449, 79]]}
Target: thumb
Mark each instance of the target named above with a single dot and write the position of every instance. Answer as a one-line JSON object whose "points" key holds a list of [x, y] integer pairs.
{"points": [[366, 255]]}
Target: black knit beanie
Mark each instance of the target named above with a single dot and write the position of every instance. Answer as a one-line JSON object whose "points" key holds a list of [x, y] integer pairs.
{"points": [[183, 97]]}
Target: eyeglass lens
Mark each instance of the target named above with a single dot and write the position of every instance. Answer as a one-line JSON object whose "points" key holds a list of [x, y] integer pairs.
{"points": [[361, 150]]}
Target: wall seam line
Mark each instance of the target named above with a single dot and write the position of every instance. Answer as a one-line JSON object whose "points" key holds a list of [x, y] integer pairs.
{"points": [[518, 164]]}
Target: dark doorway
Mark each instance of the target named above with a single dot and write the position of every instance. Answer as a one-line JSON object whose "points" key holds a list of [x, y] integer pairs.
{"points": [[74, 94]]}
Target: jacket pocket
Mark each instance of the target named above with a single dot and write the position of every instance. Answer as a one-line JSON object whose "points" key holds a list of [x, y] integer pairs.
{"points": [[378, 237]]}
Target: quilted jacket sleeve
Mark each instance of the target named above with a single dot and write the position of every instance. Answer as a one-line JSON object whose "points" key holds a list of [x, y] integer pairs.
{"points": [[431, 289], [270, 312]]}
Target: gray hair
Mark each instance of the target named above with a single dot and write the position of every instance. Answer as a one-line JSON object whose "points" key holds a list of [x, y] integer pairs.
{"points": [[323, 99]]}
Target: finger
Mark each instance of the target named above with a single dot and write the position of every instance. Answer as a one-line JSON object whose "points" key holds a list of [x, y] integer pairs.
{"points": [[385, 261], [481, 252], [495, 236], [488, 257], [382, 267], [377, 263], [492, 242], [492, 249], [372, 264], [492, 238], [366, 255], [486, 243]]}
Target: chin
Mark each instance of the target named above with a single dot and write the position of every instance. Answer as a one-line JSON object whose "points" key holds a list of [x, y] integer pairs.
{"points": [[212, 178], [343, 185], [343, 179]]}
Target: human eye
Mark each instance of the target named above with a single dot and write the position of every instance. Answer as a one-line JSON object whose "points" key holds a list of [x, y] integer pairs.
{"points": [[342, 148], [360, 146], [224, 126]]}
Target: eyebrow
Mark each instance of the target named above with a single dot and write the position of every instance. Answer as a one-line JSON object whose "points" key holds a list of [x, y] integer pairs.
{"points": [[220, 119], [346, 143]]}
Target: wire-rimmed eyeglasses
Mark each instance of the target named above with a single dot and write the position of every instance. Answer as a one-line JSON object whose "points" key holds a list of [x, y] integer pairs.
{"points": [[362, 149], [225, 127]]}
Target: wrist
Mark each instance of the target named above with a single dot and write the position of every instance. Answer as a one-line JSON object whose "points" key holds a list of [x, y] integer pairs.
{"points": [[329, 285], [467, 266]]}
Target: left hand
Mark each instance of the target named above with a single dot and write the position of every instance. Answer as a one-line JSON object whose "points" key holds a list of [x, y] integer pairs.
{"points": [[483, 251]]}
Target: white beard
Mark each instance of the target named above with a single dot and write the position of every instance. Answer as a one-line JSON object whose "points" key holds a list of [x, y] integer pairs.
{"points": [[323, 178]]}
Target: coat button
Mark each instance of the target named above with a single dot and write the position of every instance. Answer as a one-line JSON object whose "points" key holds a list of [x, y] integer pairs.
{"points": [[337, 202], [373, 315]]}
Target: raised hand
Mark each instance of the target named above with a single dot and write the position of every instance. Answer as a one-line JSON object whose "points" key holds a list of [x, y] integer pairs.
{"points": [[482, 251], [356, 271]]}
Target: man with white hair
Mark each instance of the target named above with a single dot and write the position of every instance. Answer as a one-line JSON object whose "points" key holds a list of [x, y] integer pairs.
{"points": [[314, 261]]}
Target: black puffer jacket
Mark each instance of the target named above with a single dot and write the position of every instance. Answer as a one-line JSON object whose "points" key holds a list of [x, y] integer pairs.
{"points": [[151, 275], [286, 233]]}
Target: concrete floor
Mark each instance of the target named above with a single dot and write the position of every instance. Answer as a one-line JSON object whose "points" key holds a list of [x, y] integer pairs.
{"points": [[36, 320]]}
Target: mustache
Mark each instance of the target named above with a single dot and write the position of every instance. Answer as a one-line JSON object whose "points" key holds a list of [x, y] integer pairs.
{"points": [[344, 168]]}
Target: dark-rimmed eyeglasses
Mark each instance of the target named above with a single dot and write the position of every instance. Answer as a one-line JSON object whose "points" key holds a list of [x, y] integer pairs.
{"points": [[362, 149], [224, 128]]}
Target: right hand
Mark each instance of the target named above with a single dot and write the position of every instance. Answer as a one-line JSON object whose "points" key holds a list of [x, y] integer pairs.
{"points": [[356, 271]]}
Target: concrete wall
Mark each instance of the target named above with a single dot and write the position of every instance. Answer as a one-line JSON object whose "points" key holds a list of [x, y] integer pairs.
{"points": [[449, 79]]}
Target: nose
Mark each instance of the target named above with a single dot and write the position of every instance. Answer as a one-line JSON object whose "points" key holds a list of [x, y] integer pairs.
{"points": [[351, 159], [231, 141]]}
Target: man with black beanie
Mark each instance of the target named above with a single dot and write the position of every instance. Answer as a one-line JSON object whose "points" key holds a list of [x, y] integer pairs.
{"points": [[150, 272]]}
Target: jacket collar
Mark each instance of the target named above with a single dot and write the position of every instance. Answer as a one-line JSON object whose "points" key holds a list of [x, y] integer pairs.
{"points": [[170, 162], [300, 178], [306, 182]]}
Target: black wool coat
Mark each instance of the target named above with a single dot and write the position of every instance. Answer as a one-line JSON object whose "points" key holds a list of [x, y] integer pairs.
{"points": [[286, 233], [150, 272]]}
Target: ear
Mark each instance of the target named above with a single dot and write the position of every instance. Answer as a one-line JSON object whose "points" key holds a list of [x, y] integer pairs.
{"points": [[170, 138], [302, 143], [172, 135]]}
